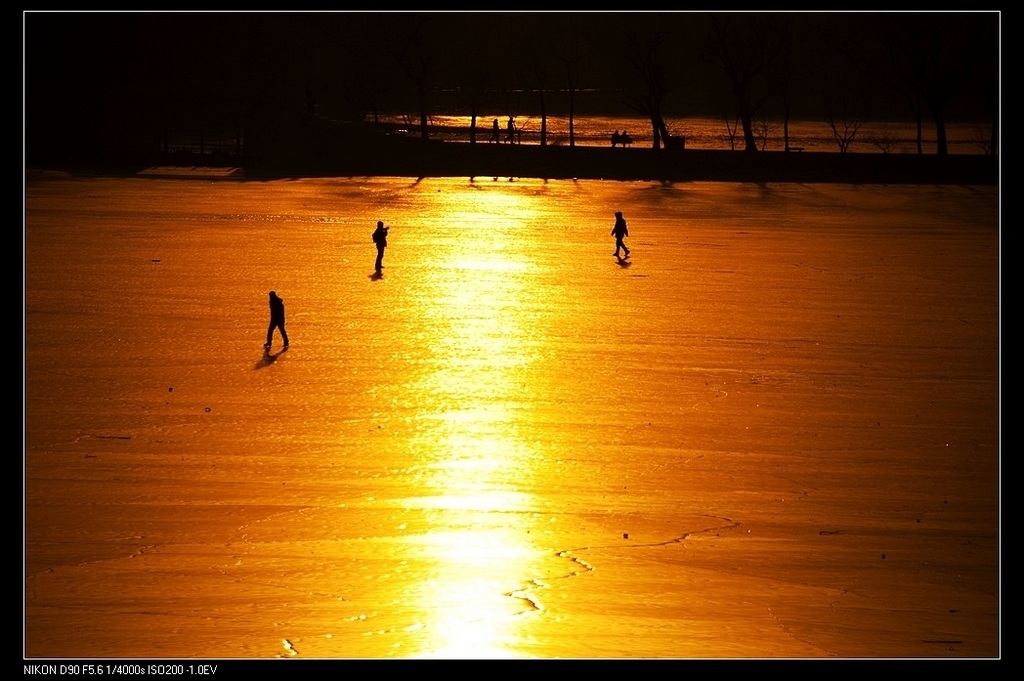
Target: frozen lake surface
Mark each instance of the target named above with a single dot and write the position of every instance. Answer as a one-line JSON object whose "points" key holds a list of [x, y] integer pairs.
{"points": [[773, 431]]}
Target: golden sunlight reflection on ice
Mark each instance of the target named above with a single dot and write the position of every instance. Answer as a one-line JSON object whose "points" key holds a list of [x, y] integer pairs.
{"points": [[478, 326], [474, 601]]}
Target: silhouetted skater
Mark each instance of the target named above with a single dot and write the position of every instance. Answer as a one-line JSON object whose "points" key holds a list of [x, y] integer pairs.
{"points": [[511, 130], [276, 320], [495, 132], [380, 237], [619, 231]]}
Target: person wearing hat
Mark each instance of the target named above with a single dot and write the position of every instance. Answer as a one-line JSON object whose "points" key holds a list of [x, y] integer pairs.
{"points": [[619, 231]]}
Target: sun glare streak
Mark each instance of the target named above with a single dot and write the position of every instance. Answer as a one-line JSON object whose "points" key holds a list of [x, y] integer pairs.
{"points": [[471, 612], [470, 418]]}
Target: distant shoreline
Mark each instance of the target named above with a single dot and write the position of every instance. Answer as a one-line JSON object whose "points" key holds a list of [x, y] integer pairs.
{"points": [[418, 158]]}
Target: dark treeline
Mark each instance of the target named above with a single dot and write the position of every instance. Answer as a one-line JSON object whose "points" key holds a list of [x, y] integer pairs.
{"points": [[100, 84]]}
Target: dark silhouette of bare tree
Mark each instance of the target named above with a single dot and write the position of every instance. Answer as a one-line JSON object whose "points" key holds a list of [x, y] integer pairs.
{"points": [[732, 127], [783, 73], [420, 62], [916, 107], [479, 77], [539, 73], [474, 85], [748, 49], [540, 46], [868, 49], [843, 83], [570, 60], [650, 82], [934, 56], [362, 72], [841, 114], [986, 83]]}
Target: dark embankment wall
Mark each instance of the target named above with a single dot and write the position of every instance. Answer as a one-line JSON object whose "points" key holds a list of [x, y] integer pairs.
{"points": [[417, 158], [403, 157]]}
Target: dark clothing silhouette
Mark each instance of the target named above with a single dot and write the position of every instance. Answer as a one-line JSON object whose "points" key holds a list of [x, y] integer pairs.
{"points": [[619, 231], [276, 320], [511, 130], [495, 131], [380, 237]]}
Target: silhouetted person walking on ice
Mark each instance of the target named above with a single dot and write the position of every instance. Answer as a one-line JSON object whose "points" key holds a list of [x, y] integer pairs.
{"points": [[276, 320], [619, 231], [495, 132], [511, 130], [380, 237]]}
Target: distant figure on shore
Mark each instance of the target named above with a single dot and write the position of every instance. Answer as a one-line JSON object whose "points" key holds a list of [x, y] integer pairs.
{"points": [[615, 138], [620, 231], [624, 139], [496, 132], [380, 237], [276, 320], [511, 130]]}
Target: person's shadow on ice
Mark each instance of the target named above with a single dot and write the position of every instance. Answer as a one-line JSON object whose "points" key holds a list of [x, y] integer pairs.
{"points": [[376, 276], [269, 358], [623, 262]]}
